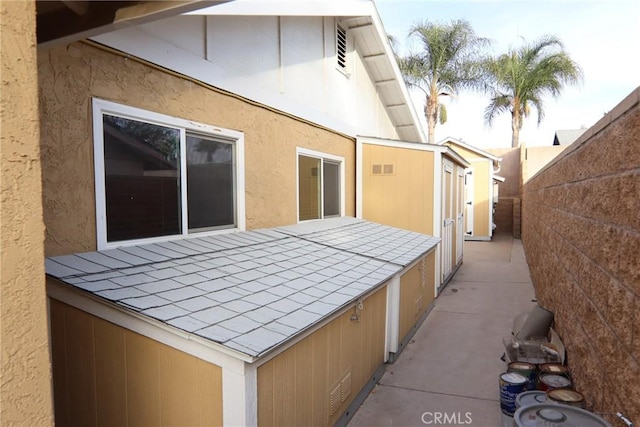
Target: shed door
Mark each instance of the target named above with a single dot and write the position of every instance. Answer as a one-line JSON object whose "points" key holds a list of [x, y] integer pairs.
{"points": [[468, 201], [448, 221], [459, 213]]}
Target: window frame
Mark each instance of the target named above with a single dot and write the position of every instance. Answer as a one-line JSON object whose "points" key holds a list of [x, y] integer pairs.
{"points": [[101, 107], [322, 157]]}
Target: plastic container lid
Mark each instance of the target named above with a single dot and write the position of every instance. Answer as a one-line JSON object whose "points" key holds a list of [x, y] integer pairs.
{"points": [[556, 415], [529, 398]]}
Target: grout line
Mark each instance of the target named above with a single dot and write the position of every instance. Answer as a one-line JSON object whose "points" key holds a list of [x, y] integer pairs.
{"points": [[439, 393]]}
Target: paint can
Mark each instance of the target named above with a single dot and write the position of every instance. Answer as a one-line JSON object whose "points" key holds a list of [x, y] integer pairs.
{"points": [[552, 415], [554, 368], [567, 397], [511, 385], [548, 382], [527, 370], [529, 398]]}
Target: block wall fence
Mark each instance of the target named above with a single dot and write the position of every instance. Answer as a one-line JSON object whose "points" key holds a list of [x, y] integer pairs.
{"points": [[581, 234]]}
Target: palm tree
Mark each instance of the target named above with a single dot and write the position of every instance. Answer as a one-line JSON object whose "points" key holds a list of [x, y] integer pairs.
{"points": [[449, 60], [522, 77]]}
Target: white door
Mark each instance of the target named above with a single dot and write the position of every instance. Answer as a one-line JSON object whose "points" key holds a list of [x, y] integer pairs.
{"points": [[468, 201], [448, 221], [459, 214]]}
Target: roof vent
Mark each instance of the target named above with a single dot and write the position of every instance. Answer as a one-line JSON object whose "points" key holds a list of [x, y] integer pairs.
{"points": [[341, 47]]}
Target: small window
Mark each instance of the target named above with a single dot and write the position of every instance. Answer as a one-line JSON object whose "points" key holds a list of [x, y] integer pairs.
{"points": [[320, 185], [159, 177], [341, 47]]}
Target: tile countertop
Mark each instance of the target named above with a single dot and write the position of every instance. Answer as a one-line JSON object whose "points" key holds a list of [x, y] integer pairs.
{"points": [[249, 291]]}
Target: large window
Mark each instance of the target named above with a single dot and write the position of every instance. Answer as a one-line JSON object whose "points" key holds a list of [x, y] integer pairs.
{"points": [[158, 176], [320, 185]]}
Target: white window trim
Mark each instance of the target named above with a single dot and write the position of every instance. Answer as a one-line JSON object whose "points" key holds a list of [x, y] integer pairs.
{"points": [[101, 107], [322, 156]]}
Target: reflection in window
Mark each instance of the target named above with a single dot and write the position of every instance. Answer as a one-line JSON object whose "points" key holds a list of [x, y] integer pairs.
{"points": [[210, 187], [331, 188], [142, 179], [309, 187], [319, 188]]}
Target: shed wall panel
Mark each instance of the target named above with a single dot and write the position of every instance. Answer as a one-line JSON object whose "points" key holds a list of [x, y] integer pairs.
{"points": [[482, 204], [416, 293], [404, 198], [294, 387], [106, 375]]}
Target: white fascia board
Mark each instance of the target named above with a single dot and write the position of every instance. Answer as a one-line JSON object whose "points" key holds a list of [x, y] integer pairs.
{"points": [[420, 146], [437, 217], [470, 148], [393, 316], [382, 37], [359, 178], [451, 154], [289, 8]]}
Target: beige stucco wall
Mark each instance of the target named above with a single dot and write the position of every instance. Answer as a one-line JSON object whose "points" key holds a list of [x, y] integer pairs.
{"points": [[106, 375], [25, 376], [71, 75], [581, 234], [535, 158]]}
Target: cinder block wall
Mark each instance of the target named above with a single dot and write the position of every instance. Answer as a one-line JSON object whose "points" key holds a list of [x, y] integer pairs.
{"points": [[581, 234]]}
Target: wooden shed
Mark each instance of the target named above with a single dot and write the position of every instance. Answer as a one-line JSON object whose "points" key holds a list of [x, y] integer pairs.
{"points": [[418, 187], [480, 198], [281, 326]]}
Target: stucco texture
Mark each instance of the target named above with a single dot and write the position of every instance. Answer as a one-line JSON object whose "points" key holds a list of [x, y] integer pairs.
{"points": [[71, 75], [581, 233], [25, 378]]}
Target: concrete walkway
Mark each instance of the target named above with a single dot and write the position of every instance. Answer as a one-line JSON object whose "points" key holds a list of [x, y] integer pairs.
{"points": [[451, 366]]}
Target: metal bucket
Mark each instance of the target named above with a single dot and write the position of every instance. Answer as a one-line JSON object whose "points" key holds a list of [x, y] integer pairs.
{"points": [[529, 398], [554, 368], [511, 385], [527, 370], [554, 415], [567, 397], [548, 382]]}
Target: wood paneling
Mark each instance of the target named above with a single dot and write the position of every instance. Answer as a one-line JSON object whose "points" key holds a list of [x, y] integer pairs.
{"points": [[294, 387], [403, 198], [481, 202], [105, 375], [416, 293]]}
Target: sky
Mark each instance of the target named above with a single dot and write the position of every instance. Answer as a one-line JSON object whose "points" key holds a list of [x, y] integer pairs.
{"points": [[602, 36]]}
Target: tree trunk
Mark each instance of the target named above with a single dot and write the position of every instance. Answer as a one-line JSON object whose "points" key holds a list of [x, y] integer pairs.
{"points": [[430, 112], [515, 133], [516, 124]]}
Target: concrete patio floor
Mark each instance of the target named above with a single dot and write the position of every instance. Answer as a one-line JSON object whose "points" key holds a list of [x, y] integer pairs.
{"points": [[452, 364]]}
